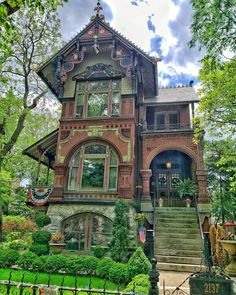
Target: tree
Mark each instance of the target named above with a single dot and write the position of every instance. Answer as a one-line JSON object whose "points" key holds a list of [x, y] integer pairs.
{"points": [[213, 26], [221, 164], [38, 39], [8, 32], [120, 233], [5, 191]]}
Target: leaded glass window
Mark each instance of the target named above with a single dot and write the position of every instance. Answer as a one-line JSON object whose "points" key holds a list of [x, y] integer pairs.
{"points": [[98, 98], [94, 167]]}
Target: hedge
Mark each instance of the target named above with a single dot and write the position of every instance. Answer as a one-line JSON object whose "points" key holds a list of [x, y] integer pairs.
{"points": [[105, 268]]}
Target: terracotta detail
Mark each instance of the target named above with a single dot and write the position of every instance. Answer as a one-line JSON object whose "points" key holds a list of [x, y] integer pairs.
{"points": [[146, 174]]}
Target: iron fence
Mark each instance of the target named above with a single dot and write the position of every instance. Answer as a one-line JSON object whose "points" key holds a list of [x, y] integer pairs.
{"points": [[9, 287]]}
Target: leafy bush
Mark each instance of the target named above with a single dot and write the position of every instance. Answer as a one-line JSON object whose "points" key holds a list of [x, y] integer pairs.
{"points": [[42, 219], [140, 284], [38, 264], [39, 249], [118, 273], [8, 257], [99, 251], [90, 264], [17, 224], [57, 237], [54, 264], [74, 264], [41, 237], [25, 260], [138, 263], [18, 245], [103, 267]]}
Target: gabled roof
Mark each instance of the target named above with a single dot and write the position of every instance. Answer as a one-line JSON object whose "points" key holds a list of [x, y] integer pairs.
{"points": [[86, 38]]}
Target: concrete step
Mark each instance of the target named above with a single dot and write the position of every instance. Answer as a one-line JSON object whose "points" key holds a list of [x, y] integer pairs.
{"points": [[178, 242], [179, 267], [176, 225], [180, 252], [175, 246], [162, 230], [185, 235], [176, 209], [180, 259], [177, 218]]}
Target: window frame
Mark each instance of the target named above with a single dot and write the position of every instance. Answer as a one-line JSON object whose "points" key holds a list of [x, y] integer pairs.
{"points": [[80, 169], [88, 91], [167, 124]]}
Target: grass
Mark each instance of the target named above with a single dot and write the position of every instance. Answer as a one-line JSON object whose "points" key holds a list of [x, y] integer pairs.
{"points": [[83, 281]]}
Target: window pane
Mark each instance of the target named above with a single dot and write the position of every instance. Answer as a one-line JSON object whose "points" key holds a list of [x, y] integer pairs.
{"points": [[73, 179], [98, 105], [115, 103], [95, 149], [160, 121], [116, 85], [80, 87], [75, 161], [173, 121], [93, 173], [100, 85], [112, 178], [79, 108], [113, 159]]}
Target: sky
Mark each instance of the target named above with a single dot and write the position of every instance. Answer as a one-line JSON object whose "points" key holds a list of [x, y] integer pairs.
{"points": [[159, 27]]}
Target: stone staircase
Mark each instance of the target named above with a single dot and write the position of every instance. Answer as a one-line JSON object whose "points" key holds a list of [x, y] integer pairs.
{"points": [[178, 244]]}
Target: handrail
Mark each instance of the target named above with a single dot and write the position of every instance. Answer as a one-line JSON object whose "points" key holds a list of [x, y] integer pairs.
{"points": [[164, 127], [199, 220]]}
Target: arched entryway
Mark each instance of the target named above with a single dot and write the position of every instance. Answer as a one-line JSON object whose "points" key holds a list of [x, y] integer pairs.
{"points": [[87, 230], [168, 168]]}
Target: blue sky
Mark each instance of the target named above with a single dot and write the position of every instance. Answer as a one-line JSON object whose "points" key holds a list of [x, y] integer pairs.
{"points": [[160, 27]]}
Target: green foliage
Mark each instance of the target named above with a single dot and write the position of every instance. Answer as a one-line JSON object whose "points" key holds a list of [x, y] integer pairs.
{"points": [[120, 233], [103, 268], [8, 257], [118, 273], [220, 159], [99, 251], [25, 260], [213, 25], [217, 111], [41, 236], [38, 264], [18, 245], [55, 264], [42, 219], [39, 249], [138, 263], [140, 284], [74, 264], [186, 187]]}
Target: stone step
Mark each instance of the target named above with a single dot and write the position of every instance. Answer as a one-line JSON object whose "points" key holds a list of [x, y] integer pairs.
{"points": [[175, 246], [170, 222], [177, 218], [160, 230], [174, 235], [180, 259], [171, 226], [177, 252], [179, 267], [176, 209], [178, 242]]}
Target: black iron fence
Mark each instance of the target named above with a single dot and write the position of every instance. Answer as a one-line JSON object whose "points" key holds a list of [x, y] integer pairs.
{"points": [[10, 287]]}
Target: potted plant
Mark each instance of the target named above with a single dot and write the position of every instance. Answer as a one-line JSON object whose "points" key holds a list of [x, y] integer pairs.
{"points": [[57, 243], [187, 188]]}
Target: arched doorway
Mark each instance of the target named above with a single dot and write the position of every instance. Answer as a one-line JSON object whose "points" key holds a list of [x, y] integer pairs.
{"points": [[168, 168], [87, 229]]}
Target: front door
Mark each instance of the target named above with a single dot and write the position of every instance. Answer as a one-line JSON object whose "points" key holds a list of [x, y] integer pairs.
{"points": [[167, 187]]}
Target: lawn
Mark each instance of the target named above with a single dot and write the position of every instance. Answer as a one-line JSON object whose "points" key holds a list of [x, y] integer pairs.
{"points": [[83, 281]]}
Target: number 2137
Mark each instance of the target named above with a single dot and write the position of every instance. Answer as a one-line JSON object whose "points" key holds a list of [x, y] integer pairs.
{"points": [[211, 288]]}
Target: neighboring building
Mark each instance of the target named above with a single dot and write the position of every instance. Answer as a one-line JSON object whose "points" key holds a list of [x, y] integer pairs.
{"points": [[119, 136]]}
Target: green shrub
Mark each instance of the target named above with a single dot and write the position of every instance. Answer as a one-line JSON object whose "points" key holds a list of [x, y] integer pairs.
{"points": [[39, 249], [8, 257], [140, 284], [138, 263], [103, 267], [25, 260], [42, 219], [54, 264], [38, 264], [89, 264], [99, 251], [74, 264], [18, 245], [118, 273], [41, 237]]}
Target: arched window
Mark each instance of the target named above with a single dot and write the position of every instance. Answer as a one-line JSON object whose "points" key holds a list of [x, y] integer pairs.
{"points": [[93, 167]]}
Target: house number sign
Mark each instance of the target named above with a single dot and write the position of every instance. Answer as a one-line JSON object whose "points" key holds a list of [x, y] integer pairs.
{"points": [[210, 286]]}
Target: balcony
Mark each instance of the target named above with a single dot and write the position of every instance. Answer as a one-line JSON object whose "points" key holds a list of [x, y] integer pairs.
{"points": [[166, 128]]}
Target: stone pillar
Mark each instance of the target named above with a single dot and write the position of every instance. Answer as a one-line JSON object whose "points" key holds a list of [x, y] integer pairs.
{"points": [[202, 185], [146, 174]]}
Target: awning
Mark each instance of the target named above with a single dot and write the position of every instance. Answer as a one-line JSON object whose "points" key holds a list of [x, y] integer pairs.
{"points": [[44, 150]]}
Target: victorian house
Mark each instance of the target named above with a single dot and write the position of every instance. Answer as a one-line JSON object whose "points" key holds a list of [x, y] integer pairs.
{"points": [[119, 137]]}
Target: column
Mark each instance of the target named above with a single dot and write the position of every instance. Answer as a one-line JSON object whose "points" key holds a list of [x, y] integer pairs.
{"points": [[146, 174]]}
